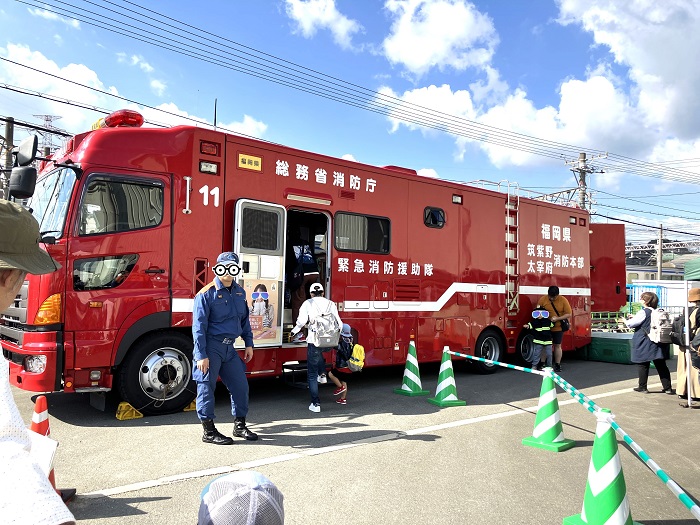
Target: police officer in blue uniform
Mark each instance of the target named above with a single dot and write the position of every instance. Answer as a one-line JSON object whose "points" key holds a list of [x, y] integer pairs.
{"points": [[220, 316]]}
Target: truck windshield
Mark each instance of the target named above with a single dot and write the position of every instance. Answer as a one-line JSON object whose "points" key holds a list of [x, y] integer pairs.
{"points": [[50, 201]]}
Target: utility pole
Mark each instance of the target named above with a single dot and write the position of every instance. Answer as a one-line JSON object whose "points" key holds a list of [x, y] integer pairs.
{"points": [[9, 144], [580, 168], [660, 251]]}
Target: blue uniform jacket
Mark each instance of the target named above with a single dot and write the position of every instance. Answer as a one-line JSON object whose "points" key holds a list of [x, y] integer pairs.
{"points": [[219, 314]]}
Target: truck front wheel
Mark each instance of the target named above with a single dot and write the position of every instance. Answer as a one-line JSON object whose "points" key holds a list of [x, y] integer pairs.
{"points": [[156, 376]]}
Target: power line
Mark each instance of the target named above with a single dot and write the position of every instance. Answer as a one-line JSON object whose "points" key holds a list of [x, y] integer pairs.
{"points": [[238, 57], [645, 225]]}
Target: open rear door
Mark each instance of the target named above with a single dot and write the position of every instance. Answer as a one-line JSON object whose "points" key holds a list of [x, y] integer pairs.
{"points": [[259, 240], [608, 271]]}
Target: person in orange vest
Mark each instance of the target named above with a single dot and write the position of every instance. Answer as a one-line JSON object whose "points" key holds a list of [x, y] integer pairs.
{"points": [[27, 495]]}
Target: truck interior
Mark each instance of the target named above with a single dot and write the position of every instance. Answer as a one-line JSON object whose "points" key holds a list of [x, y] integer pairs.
{"points": [[307, 241]]}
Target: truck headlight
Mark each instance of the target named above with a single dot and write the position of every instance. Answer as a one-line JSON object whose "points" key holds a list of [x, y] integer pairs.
{"points": [[35, 364]]}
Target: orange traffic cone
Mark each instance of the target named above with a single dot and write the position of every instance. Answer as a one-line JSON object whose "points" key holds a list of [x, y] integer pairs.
{"points": [[40, 425]]}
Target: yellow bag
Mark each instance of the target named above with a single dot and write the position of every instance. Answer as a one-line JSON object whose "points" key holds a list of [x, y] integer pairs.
{"points": [[357, 359]]}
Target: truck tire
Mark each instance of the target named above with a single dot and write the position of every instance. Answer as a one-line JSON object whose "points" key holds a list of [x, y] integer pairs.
{"points": [[489, 345], [156, 376], [525, 350]]}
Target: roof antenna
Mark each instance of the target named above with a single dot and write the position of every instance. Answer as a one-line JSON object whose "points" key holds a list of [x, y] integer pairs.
{"points": [[214, 113]]}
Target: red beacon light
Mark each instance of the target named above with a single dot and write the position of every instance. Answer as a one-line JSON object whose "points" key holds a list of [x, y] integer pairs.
{"points": [[122, 118]]}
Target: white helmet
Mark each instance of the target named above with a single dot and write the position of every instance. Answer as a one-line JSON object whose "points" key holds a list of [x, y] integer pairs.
{"points": [[316, 288]]}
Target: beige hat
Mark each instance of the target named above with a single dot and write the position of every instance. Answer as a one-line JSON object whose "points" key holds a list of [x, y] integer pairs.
{"points": [[19, 241], [694, 295]]}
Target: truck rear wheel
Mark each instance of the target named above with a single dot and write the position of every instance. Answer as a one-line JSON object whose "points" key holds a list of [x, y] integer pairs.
{"points": [[489, 345], [156, 376], [526, 349]]}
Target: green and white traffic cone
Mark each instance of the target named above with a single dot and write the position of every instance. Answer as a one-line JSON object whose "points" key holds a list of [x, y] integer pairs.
{"points": [[548, 433], [605, 500], [446, 391], [411, 375]]}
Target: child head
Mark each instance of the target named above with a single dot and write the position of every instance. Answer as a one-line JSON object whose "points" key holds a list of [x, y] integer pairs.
{"points": [[540, 311], [346, 333]]}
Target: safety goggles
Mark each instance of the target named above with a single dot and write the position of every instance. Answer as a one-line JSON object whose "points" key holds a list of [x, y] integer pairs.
{"points": [[544, 314], [222, 269], [256, 295]]}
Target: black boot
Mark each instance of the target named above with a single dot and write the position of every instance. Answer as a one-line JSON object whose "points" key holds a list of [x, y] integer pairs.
{"points": [[211, 435], [242, 431]]}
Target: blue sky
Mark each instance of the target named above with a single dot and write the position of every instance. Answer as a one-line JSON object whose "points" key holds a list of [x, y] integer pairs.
{"points": [[618, 77]]}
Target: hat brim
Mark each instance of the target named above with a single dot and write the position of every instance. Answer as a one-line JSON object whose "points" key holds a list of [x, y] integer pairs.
{"points": [[38, 263]]}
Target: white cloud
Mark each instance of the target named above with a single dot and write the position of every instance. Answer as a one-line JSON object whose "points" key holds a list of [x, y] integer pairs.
{"points": [[158, 87], [645, 105], [428, 172], [248, 126], [135, 60], [660, 44], [47, 15], [312, 15], [77, 120], [437, 98], [349, 156], [491, 90], [614, 121], [72, 119], [438, 33]]}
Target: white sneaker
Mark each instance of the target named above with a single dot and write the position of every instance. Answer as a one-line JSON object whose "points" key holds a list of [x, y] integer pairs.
{"points": [[314, 407], [322, 379], [299, 338]]}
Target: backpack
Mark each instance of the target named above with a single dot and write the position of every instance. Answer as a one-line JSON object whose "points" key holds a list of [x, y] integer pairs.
{"points": [[678, 327], [326, 328], [661, 326], [678, 330], [357, 359]]}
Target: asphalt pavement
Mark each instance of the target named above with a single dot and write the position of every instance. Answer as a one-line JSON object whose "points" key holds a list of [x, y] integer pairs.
{"points": [[382, 458]]}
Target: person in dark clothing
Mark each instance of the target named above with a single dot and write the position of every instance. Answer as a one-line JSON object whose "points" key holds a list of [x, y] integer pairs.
{"points": [[219, 317], [644, 350], [541, 325]]}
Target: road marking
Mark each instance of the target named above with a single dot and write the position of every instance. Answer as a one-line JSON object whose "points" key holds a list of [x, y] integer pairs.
{"points": [[218, 471]]}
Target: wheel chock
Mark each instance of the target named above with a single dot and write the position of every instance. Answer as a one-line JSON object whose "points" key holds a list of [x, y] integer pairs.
{"points": [[126, 411], [192, 406]]}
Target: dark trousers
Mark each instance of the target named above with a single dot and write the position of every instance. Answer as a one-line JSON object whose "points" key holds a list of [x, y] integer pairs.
{"points": [[661, 368]]}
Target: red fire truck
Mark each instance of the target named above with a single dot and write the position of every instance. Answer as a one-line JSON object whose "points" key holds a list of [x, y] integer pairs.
{"points": [[136, 216]]}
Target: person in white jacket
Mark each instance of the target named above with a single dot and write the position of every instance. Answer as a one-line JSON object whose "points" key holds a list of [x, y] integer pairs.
{"points": [[26, 495], [316, 306]]}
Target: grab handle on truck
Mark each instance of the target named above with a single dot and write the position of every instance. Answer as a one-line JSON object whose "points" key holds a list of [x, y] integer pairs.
{"points": [[187, 210]]}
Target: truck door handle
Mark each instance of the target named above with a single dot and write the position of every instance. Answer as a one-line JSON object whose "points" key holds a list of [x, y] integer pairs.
{"points": [[154, 270]]}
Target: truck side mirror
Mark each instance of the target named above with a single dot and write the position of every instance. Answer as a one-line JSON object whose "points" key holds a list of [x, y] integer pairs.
{"points": [[25, 153], [22, 182]]}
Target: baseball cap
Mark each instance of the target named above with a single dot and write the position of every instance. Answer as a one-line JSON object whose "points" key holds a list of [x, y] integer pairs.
{"points": [[347, 331], [316, 288], [19, 241], [227, 257], [241, 498]]}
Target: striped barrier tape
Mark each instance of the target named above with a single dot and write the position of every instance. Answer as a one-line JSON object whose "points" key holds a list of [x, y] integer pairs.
{"points": [[590, 405]]}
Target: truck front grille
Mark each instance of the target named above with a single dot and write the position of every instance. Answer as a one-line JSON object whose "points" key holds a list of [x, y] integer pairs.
{"points": [[13, 320]]}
